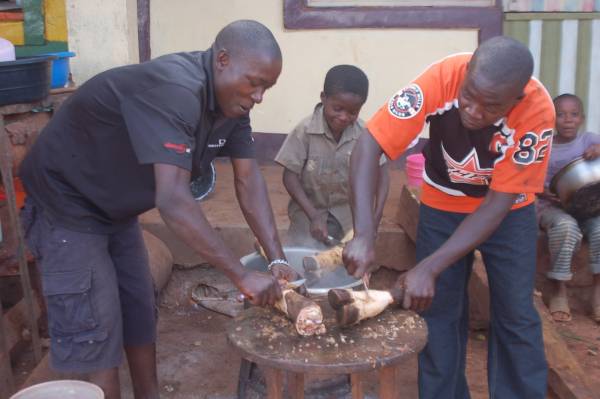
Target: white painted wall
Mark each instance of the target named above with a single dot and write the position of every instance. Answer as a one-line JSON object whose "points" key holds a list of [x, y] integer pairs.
{"points": [[103, 34], [389, 57]]}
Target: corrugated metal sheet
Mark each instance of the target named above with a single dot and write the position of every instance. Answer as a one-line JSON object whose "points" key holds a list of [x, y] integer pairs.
{"points": [[566, 50]]}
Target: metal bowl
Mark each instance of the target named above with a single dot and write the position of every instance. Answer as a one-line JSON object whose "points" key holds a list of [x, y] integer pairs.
{"points": [[576, 175], [336, 279], [577, 185]]}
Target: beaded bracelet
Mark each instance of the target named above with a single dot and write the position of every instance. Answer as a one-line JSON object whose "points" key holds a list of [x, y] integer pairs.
{"points": [[277, 262]]}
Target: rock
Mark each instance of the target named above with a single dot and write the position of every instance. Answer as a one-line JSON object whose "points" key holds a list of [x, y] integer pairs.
{"points": [[161, 260]]}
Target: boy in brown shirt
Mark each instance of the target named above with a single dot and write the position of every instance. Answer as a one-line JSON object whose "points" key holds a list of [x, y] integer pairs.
{"points": [[316, 158]]}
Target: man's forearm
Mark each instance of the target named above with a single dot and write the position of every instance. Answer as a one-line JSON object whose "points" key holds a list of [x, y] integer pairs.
{"points": [[252, 195], [363, 180], [184, 216], [383, 185], [188, 222]]}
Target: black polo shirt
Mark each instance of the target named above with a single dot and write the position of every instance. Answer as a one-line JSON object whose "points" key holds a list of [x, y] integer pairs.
{"points": [[91, 169]]}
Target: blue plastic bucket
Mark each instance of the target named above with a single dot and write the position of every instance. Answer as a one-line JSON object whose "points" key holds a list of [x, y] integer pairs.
{"points": [[60, 68]]}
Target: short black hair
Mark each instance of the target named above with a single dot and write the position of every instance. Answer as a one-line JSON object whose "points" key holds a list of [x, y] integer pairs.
{"points": [[245, 36], [503, 61], [346, 79], [565, 96]]}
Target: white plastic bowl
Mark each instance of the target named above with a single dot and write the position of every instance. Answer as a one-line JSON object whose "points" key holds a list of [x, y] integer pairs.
{"points": [[7, 50], [61, 389]]}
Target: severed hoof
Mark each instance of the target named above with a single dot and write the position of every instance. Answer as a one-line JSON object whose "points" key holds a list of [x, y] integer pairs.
{"points": [[310, 264], [347, 315], [339, 297], [312, 272]]}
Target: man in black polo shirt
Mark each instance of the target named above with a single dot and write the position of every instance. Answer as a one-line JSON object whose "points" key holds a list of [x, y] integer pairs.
{"points": [[130, 139]]}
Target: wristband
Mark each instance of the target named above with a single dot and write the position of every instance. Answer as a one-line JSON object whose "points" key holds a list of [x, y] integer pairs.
{"points": [[277, 262]]}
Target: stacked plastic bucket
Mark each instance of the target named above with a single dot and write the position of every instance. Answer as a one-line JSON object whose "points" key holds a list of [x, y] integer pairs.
{"points": [[414, 170], [60, 68]]}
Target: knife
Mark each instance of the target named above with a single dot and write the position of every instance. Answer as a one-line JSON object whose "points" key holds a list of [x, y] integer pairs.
{"points": [[290, 285], [365, 280], [332, 241]]}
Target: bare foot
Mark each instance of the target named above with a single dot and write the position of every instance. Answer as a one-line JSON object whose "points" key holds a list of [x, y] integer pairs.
{"points": [[559, 303]]}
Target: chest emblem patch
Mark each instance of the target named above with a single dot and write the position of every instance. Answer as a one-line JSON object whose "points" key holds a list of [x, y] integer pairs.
{"points": [[468, 170], [407, 102]]}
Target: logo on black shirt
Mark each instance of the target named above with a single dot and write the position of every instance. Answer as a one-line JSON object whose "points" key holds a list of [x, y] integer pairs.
{"points": [[181, 149], [407, 102], [218, 144], [468, 170]]}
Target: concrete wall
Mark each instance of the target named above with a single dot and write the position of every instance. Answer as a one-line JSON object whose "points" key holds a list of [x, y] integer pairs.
{"points": [[103, 34], [389, 57]]}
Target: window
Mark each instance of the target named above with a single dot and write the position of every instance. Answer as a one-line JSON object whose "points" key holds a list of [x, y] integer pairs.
{"points": [[482, 15], [401, 3]]}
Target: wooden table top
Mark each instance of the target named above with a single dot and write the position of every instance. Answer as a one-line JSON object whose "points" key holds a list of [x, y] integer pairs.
{"points": [[268, 338]]}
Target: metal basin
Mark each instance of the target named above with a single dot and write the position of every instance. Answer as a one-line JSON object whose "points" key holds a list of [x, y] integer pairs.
{"points": [[577, 174], [339, 278], [577, 185]]}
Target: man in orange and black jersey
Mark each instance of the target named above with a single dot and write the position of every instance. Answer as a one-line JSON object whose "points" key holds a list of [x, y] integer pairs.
{"points": [[490, 135]]}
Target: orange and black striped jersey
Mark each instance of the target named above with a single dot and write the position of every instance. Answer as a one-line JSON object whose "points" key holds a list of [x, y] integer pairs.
{"points": [[509, 156]]}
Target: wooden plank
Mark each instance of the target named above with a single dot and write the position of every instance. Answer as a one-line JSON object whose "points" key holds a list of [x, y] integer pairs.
{"points": [[143, 22], [7, 179], [49, 47], [357, 386], [274, 379], [388, 383], [11, 16], [296, 385]]}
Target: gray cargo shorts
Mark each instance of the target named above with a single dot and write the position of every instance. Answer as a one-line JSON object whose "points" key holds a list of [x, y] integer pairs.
{"points": [[98, 289]]}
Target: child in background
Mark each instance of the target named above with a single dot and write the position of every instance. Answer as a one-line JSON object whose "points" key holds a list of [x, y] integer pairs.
{"points": [[316, 158], [565, 232]]}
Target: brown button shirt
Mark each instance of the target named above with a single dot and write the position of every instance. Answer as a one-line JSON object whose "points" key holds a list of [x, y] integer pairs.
{"points": [[323, 165]]}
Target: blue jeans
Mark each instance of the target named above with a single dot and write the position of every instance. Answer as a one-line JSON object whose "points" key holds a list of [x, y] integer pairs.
{"points": [[516, 362]]}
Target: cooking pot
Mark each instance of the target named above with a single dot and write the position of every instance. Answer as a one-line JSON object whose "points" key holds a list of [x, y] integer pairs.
{"points": [[339, 278], [577, 185]]}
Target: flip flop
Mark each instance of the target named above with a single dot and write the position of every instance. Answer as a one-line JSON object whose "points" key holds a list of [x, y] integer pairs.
{"points": [[558, 305]]}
